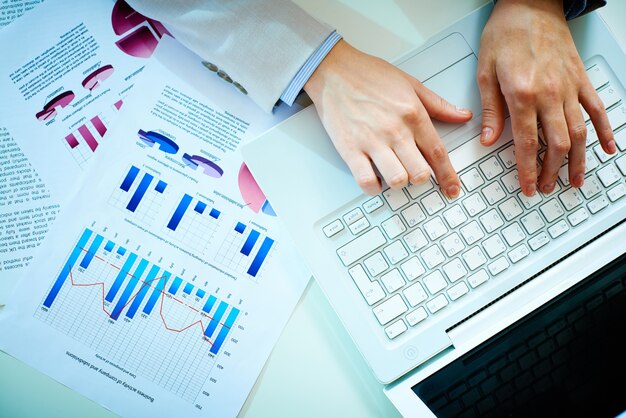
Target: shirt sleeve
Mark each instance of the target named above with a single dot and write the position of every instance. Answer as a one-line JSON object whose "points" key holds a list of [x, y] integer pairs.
{"points": [[575, 8], [259, 46], [305, 72]]}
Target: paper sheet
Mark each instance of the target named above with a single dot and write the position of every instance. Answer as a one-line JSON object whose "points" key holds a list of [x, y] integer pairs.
{"points": [[62, 85], [13, 9], [25, 220], [166, 280]]}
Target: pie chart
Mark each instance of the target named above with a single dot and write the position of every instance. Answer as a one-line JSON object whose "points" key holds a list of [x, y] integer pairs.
{"points": [[93, 80], [209, 168], [165, 144], [252, 194], [49, 110]]}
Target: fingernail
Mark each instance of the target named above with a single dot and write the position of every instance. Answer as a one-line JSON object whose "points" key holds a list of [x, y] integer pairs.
{"points": [[463, 110], [531, 189], [486, 134], [548, 188], [452, 191], [578, 181], [612, 148]]}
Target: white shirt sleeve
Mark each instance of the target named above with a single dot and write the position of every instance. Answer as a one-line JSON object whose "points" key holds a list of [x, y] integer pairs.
{"points": [[261, 45]]}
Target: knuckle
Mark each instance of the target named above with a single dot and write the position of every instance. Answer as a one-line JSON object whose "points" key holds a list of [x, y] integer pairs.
{"points": [[578, 133], [561, 146], [524, 92], [483, 77], [527, 143], [438, 153]]}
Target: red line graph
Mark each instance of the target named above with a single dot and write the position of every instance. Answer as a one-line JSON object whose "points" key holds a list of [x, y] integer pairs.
{"points": [[148, 283]]}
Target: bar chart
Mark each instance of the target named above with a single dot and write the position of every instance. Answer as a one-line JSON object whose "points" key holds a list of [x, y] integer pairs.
{"points": [[84, 140], [193, 223], [140, 193], [245, 250], [134, 311]]}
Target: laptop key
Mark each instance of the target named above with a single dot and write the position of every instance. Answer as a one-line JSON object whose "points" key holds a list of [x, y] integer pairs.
{"points": [[609, 97], [374, 203], [620, 140], [457, 291], [416, 190], [608, 175], [558, 229], [616, 192], [597, 204], [415, 240], [413, 215], [617, 117], [390, 309], [396, 198], [395, 329], [498, 266], [478, 278], [578, 216], [591, 187], [518, 253], [454, 270], [538, 241], [371, 290], [474, 204], [433, 203], [437, 304], [393, 226], [597, 77], [621, 162], [415, 294], [376, 264], [333, 228], [392, 281], [361, 246], [412, 268], [435, 282], [456, 217], [416, 316]]}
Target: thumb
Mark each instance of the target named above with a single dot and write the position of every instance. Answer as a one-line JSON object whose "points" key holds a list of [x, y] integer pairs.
{"points": [[493, 105], [438, 107]]}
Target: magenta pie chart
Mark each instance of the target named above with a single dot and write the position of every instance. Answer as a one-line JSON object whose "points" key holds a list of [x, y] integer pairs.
{"points": [[49, 110], [93, 80], [252, 194]]}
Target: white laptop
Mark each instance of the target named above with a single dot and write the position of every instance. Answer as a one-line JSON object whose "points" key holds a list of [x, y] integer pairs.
{"points": [[419, 280]]}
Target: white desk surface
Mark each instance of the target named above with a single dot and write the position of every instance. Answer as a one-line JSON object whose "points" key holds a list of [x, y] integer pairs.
{"points": [[315, 369]]}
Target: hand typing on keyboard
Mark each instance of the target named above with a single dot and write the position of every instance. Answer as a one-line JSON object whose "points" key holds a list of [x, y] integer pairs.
{"points": [[529, 62], [376, 113]]}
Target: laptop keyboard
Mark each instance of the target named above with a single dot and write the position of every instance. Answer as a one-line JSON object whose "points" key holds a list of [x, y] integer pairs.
{"points": [[412, 252]]}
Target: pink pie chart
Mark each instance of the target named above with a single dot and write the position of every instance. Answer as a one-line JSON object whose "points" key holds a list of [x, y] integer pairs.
{"points": [[252, 194], [93, 80]]}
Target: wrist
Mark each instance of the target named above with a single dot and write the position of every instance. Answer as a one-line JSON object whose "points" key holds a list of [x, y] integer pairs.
{"points": [[329, 66]]}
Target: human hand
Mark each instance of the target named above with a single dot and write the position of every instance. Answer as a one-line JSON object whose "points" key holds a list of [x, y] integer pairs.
{"points": [[376, 113], [529, 62]]}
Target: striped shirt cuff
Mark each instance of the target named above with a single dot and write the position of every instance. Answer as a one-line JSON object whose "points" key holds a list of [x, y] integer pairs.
{"points": [[305, 72]]}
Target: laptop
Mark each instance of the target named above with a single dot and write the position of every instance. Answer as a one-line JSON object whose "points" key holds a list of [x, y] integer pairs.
{"points": [[420, 281]]}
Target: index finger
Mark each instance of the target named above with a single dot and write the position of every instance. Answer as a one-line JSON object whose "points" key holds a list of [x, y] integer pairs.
{"points": [[524, 127]]}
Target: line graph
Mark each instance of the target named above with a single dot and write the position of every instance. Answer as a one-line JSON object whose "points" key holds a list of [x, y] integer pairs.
{"points": [[121, 306]]}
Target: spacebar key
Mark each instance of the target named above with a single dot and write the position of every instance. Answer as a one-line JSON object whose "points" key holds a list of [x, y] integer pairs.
{"points": [[361, 246]]}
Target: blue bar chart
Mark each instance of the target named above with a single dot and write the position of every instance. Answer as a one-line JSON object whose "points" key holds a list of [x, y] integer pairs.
{"points": [[140, 194], [132, 285], [245, 250]]}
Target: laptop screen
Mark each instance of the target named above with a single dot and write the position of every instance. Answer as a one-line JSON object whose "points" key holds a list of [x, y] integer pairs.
{"points": [[565, 359]]}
